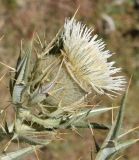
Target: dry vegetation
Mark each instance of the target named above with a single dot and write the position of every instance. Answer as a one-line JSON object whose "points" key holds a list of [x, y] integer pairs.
{"points": [[117, 23]]}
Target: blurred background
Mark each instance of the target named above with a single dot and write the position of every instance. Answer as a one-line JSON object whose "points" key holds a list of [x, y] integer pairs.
{"points": [[116, 21]]}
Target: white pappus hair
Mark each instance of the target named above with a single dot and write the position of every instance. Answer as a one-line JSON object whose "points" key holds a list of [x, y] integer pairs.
{"points": [[88, 61]]}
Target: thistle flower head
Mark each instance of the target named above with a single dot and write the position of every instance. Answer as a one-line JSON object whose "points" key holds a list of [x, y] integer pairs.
{"points": [[87, 60]]}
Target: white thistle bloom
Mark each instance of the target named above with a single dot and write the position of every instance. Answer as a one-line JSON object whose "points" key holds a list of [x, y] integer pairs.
{"points": [[87, 60]]}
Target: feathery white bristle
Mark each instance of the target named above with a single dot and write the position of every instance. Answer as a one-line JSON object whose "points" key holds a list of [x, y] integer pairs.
{"points": [[89, 60]]}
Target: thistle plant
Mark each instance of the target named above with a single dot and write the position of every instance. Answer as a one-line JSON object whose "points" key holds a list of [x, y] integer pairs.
{"points": [[52, 87]]}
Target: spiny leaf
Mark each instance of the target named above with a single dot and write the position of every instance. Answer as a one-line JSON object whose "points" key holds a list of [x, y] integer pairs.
{"points": [[23, 68], [109, 153], [110, 146], [124, 145], [20, 154], [87, 113], [62, 122], [114, 131], [84, 124], [33, 140], [21, 77], [84, 115], [119, 119]]}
